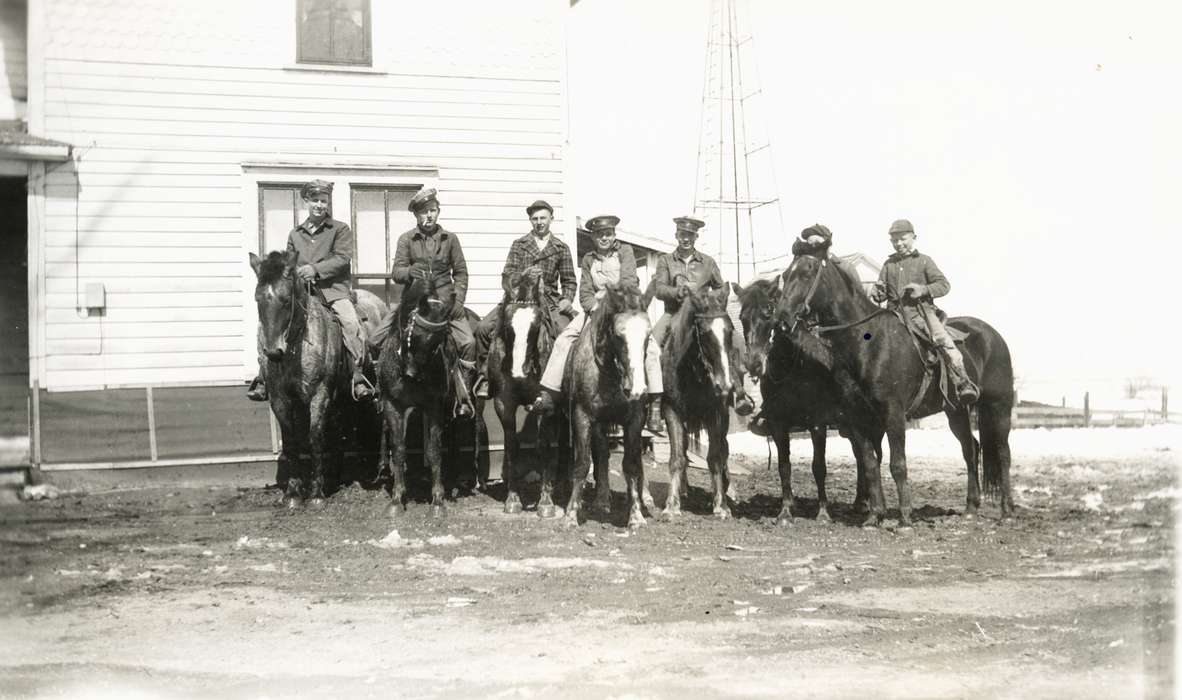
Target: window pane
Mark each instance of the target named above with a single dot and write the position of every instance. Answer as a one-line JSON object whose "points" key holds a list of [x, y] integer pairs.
{"points": [[280, 209], [400, 218], [334, 31], [315, 30], [370, 216]]}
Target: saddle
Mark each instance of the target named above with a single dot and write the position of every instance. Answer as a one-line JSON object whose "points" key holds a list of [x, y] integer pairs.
{"points": [[935, 364]]}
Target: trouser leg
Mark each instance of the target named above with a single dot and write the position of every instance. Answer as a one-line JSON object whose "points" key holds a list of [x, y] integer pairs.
{"points": [[556, 365], [965, 389]]}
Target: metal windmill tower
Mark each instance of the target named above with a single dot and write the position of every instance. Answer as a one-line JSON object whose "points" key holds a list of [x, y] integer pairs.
{"points": [[735, 190]]}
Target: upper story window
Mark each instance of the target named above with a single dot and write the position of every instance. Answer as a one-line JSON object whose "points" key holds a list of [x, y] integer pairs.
{"points": [[333, 31]]}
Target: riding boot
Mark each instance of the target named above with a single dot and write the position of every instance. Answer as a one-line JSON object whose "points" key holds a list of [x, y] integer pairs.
{"points": [[465, 376], [656, 421], [545, 404], [966, 391], [361, 386], [743, 403], [257, 390], [480, 386]]}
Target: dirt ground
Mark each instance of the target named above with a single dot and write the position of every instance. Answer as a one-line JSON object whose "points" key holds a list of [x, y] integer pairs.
{"points": [[185, 589]]}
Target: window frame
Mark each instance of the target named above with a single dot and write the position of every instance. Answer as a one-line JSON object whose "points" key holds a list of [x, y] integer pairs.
{"points": [[367, 39]]}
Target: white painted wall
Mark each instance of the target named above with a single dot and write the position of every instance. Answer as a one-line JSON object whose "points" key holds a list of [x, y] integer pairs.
{"points": [[166, 101]]}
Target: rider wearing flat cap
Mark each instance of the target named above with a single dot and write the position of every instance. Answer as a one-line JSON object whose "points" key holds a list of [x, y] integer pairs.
{"points": [[908, 282], [537, 254], [324, 251], [680, 273], [432, 255]]}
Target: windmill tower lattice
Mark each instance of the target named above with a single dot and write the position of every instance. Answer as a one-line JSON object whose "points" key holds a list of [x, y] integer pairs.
{"points": [[735, 189]]}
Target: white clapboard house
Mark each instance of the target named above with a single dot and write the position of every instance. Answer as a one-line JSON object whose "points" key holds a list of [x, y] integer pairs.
{"points": [[148, 147]]}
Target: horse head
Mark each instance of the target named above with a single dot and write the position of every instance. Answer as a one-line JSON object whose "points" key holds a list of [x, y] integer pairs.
{"points": [[803, 291], [713, 332], [523, 328], [622, 335], [425, 331], [281, 299], [758, 301]]}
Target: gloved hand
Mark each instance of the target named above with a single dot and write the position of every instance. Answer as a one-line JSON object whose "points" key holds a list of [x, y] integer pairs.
{"points": [[683, 291], [878, 294], [306, 273], [532, 273], [565, 308], [420, 271], [915, 290]]}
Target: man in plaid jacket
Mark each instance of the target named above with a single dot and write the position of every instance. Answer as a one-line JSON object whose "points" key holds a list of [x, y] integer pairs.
{"points": [[537, 254]]}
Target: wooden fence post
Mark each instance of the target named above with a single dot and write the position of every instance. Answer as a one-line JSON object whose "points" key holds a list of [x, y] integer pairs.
{"points": [[1087, 409], [1165, 404]]}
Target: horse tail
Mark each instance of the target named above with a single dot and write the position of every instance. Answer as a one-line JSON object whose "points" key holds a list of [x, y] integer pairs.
{"points": [[994, 423]]}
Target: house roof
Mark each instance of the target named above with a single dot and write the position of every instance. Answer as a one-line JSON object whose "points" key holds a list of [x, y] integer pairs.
{"points": [[19, 144]]}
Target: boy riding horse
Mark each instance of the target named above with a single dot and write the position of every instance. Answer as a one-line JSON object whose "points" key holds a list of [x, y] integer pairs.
{"points": [[537, 254], [432, 255], [324, 249], [908, 282]]}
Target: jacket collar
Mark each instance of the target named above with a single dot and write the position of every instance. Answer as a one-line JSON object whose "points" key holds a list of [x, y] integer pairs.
{"points": [[439, 231], [312, 229], [611, 251], [899, 256], [695, 256]]}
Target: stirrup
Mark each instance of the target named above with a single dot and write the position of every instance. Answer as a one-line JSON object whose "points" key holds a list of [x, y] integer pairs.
{"points": [[367, 388], [257, 390]]}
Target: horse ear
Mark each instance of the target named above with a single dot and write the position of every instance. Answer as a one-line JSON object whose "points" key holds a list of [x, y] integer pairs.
{"points": [[424, 305], [723, 295], [255, 262], [738, 289]]}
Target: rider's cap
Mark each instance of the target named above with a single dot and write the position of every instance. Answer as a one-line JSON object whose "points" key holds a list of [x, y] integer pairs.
{"points": [[900, 227], [817, 230], [602, 224], [425, 196], [540, 204], [688, 223], [315, 187]]}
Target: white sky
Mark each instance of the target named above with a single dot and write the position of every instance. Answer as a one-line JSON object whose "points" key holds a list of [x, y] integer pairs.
{"points": [[1034, 145]]}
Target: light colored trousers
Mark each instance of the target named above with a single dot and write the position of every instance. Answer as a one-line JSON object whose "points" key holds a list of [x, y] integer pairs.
{"points": [[556, 365]]}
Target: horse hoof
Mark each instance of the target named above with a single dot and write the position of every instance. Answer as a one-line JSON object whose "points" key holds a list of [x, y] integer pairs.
{"points": [[395, 509], [294, 503], [636, 522], [823, 517], [547, 512], [512, 507], [785, 521], [970, 515], [722, 513], [870, 523], [316, 503], [670, 514], [438, 511], [571, 519]]}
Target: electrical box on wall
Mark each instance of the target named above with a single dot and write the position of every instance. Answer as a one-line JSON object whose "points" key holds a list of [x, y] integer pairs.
{"points": [[96, 297]]}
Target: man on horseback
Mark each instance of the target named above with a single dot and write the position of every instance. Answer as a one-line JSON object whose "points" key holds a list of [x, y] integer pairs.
{"points": [[432, 255], [679, 273], [611, 262], [324, 247], [908, 282], [537, 254]]}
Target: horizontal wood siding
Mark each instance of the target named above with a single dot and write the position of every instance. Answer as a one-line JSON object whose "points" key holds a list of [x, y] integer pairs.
{"points": [[165, 103]]}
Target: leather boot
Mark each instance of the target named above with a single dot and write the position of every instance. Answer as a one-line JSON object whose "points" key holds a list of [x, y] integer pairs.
{"points": [[480, 386], [966, 391], [545, 404], [656, 421], [466, 375], [361, 386], [758, 425], [743, 403], [257, 390]]}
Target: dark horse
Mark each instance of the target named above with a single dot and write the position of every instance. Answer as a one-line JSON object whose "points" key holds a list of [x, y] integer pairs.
{"points": [[307, 373], [798, 390], [516, 359], [698, 361], [606, 384], [882, 381], [417, 368]]}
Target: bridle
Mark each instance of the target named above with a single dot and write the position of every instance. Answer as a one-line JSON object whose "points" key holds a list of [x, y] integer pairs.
{"points": [[806, 310], [295, 302]]}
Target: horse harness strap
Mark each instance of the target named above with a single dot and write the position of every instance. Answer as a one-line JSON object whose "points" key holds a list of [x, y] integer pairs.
{"points": [[851, 324]]}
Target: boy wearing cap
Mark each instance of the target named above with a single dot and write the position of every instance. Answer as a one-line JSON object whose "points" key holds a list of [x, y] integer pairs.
{"points": [[678, 274], [611, 262], [908, 282], [324, 251], [432, 255], [537, 254]]}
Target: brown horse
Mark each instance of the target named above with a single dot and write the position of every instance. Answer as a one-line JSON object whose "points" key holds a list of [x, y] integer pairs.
{"points": [[799, 392], [516, 359], [605, 383], [698, 361], [882, 382], [417, 369], [306, 372]]}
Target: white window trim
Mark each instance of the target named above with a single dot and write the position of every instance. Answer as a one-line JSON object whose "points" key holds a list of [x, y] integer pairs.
{"points": [[343, 176], [380, 15]]}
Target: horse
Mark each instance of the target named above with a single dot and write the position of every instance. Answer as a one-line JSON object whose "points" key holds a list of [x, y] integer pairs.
{"points": [[417, 367], [698, 361], [516, 359], [798, 392], [306, 373], [883, 382], [605, 383]]}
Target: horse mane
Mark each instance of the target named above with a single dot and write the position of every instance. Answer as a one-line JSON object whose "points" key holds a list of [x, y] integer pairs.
{"points": [[411, 295], [618, 298], [681, 327], [273, 267]]}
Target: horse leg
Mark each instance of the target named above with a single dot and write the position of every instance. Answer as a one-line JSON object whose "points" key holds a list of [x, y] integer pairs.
{"points": [[820, 471], [289, 456], [433, 453], [396, 428], [581, 427], [318, 436], [507, 412], [872, 458], [784, 462], [897, 439], [716, 458], [633, 463], [675, 429], [993, 419], [601, 456], [546, 434], [970, 449]]}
